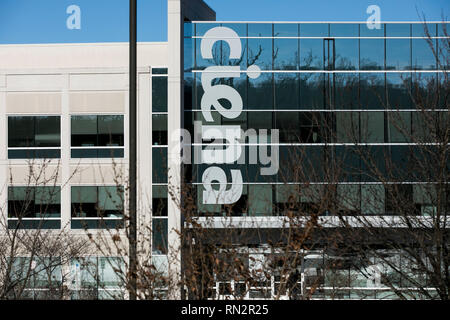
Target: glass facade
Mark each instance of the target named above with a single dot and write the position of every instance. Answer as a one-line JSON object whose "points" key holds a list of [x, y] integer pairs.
{"points": [[343, 97]]}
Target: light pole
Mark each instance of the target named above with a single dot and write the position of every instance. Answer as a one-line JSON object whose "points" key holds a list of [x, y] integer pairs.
{"points": [[133, 155]]}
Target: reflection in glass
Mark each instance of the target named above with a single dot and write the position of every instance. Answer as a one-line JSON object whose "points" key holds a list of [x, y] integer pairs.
{"points": [[311, 54], [286, 54], [398, 54], [286, 91], [371, 54]]}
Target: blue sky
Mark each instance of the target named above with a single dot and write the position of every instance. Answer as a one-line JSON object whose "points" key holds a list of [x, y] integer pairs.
{"points": [[44, 21]]}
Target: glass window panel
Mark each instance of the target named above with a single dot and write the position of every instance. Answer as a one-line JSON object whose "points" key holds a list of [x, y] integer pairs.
{"points": [[202, 28], [260, 53], [110, 130], [21, 132], [423, 30], [424, 126], [110, 270], [159, 70], [372, 91], [20, 193], [260, 200], [159, 129], [288, 123], [398, 30], [365, 31], [286, 54], [47, 132], [311, 193], [286, 30], [372, 199], [398, 54], [347, 54], [206, 209], [371, 54], [259, 29], [84, 194], [110, 199], [348, 197], [443, 29], [159, 200], [344, 29], [347, 127], [224, 58], [311, 91], [423, 57], [159, 236], [314, 30], [84, 272], [286, 193], [84, 131], [260, 92], [372, 127], [346, 90], [399, 91], [159, 165], [161, 264], [47, 195], [286, 91], [260, 120], [239, 28], [311, 54], [399, 126], [159, 94]]}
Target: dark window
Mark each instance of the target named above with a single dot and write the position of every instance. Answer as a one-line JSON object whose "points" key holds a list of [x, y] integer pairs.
{"points": [[159, 164], [159, 94], [159, 201], [102, 202], [28, 207], [94, 131], [159, 129], [35, 133]]}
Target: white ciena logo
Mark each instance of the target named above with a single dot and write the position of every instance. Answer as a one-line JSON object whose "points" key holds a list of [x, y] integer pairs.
{"points": [[211, 99]]}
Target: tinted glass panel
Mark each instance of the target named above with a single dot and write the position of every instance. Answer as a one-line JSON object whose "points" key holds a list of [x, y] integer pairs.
{"points": [[159, 236], [259, 29], [21, 132], [398, 54], [313, 30], [84, 131], [286, 30], [311, 54], [110, 130], [159, 129], [287, 91], [286, 54], [159, 165], [159, 94], [423, 57], [372, 54], [344, 29], [398, 30]]}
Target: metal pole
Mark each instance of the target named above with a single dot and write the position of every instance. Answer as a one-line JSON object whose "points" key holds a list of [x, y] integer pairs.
{"points": [[133, 154]]}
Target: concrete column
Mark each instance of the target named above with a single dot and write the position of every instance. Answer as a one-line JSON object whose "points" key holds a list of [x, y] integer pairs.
{"points": [[65, 155], [174, 160]]}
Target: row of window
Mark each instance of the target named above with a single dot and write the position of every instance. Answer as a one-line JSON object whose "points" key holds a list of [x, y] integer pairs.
{"points": [[90, 278], [92, 207], [339, 127], [318, 91], [273, 200], [320, 29], [309, 54], [92, 136]]}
